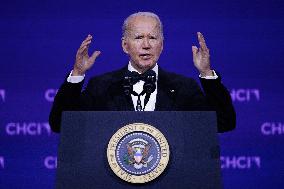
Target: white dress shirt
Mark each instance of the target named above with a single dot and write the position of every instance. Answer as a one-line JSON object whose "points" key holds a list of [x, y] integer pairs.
{"points": [[138, 88]]}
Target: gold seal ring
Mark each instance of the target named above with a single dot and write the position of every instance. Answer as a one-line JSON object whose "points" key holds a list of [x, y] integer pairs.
{"points": [[138, 153]]}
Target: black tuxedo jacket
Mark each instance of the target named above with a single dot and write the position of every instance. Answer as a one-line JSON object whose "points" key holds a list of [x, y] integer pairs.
{"points": [[174, 93]]}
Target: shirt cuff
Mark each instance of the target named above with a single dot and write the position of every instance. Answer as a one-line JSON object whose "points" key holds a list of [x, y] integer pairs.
{"points": [[75, 79], [215, 76]]}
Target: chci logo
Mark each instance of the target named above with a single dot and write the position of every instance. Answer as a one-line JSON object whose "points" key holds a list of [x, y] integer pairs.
{"points": [[138, 153]]}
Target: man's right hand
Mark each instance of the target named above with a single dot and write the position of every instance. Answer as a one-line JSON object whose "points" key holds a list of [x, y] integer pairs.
{"points": [[83, 61]]}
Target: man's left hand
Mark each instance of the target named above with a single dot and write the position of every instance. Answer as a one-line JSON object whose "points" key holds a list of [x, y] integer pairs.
{"points": [[201, 57]]}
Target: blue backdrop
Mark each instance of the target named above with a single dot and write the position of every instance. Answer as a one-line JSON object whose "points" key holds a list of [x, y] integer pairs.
{"points": [[39, 40]]}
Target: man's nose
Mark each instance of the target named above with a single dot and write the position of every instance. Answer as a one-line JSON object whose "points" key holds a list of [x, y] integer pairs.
{"points": [[146, 44]]}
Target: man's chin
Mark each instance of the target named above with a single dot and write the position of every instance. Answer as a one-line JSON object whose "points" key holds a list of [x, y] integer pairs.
{"points": [[146, 67], [143, 66], [147, 64]]}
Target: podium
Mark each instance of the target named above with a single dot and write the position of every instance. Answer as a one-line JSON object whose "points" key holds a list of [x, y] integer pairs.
{"points": [[194, 158]]}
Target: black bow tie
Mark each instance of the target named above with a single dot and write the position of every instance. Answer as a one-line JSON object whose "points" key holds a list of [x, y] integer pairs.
{"points": [[149, 86], [135, 77]]}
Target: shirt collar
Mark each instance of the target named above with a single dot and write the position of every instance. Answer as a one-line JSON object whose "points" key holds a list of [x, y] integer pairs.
{"points": [[131, 68]]}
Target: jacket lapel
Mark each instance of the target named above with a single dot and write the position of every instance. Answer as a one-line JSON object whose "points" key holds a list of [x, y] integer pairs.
{"points": [[166, 93]]}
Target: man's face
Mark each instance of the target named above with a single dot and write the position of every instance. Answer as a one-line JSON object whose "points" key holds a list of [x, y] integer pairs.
{"points": [[143, 42]]}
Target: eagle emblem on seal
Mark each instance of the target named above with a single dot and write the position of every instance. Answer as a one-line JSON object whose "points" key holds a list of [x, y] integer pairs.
{"points": [[138, 153]]}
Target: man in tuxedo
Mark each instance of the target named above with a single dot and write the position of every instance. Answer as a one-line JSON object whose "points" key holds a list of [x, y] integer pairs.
{"points": [[142, 41]]}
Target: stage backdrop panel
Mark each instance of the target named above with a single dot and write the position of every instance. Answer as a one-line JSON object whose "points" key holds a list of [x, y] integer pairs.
{"points": [[39, 40]]}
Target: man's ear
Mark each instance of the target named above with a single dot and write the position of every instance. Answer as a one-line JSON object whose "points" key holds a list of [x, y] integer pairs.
{"points": [[124, 45]]}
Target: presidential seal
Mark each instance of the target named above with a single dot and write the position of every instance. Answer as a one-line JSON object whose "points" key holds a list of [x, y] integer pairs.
{"points": [[138, 153]]}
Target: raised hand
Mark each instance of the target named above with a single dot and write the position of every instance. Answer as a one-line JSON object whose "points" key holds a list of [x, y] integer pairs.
{"points": [[83, 61], [201, 57]]}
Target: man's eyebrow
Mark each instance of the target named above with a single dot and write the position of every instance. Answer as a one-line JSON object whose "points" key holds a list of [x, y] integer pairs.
{"points": [[138, 34]]}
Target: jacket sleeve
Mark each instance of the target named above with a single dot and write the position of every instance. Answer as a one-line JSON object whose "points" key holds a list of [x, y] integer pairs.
{"points": [[219, 98], [69, 98]]}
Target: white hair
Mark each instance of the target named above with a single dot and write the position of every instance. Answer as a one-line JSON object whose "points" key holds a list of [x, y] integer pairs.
{"points": [[125, 26]]}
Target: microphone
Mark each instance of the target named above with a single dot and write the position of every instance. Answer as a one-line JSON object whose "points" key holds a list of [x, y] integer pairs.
{"points": [[127, 85], [150, 81], [149, 85]]}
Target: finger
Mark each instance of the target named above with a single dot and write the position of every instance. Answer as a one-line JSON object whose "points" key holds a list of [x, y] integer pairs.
{"points": [[94, 56], [86, 43], [89, 37], [84, 50], [200, 37], [194, 51], [84, 47], [81, 50], [202, 42]]}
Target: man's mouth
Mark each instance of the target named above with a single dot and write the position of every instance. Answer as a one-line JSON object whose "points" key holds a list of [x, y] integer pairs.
{"points": [[145, 56]]}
